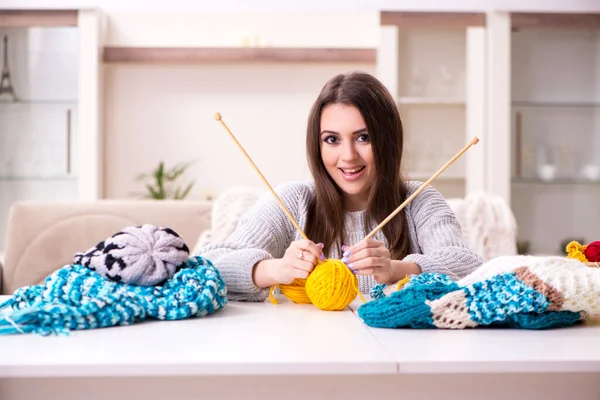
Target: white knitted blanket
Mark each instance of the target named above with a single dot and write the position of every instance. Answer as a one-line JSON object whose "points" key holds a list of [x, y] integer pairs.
{"points": [[488, 224], [226, 212]]}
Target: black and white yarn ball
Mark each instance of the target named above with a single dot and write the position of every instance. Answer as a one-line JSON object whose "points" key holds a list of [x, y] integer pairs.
{"points": [[143, 255]]}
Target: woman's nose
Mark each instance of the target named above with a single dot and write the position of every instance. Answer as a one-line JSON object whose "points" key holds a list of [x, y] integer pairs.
{"points": [[349, 152]]}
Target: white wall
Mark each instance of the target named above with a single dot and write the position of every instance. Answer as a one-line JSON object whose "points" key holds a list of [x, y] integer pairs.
{"points": [[166, 113], [310, 29]]}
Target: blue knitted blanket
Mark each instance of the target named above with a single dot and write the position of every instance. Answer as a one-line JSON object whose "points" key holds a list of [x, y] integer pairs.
{"points": [[523, 292], [76, 298]]}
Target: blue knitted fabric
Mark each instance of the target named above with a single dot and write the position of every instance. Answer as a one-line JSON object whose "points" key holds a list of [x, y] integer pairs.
{"points": [[76, 298], [541, 297]]}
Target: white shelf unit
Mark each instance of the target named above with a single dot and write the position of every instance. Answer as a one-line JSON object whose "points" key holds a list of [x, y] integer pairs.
{"points": [[551, 175], [434, 65], [50, 136]]}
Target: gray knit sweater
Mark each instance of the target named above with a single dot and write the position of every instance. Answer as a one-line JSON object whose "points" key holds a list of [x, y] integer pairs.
{"points": [[265, 231]]}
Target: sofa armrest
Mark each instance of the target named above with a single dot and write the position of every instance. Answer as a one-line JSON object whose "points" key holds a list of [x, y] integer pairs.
{"points": [[43, 236]]}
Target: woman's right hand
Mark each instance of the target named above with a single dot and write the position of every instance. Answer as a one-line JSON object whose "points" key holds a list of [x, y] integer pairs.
{"points": [[300, 258], [298, 261]]}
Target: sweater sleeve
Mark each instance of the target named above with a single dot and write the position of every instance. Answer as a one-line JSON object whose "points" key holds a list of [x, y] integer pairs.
{"points": [[439, 236], [264, 232]]}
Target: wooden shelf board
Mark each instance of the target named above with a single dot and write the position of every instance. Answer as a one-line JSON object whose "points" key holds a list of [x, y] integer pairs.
{"points": [[432, 20], [555, 20], [37, 18], [233, 54]]}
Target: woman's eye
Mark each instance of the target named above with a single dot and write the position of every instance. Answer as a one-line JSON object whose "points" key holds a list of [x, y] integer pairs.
{"points": [[330, 139], [363, 138]]}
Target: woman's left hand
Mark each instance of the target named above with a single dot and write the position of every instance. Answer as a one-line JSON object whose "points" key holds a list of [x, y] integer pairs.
{"points": [[369, 257]]}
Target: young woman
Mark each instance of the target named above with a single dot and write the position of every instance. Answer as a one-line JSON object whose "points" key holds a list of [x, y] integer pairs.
{"points": [[354, 146]]}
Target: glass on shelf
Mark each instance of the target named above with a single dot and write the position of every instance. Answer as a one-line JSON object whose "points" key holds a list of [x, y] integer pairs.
{"points": [[418, 82], [434, 83], [444, 82], [556, 144]]}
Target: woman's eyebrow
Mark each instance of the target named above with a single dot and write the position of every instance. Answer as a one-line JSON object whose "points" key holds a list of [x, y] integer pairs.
{"points": [[362, 130]]}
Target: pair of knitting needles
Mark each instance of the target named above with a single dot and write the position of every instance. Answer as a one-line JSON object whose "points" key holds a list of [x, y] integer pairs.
{"points": [[473, 141]]}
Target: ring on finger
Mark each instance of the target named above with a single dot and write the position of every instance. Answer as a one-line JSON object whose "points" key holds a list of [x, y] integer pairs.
{"points": [[301, 255]]}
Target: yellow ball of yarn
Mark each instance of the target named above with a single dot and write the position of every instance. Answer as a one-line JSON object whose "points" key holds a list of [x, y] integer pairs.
{"points": [[295, 291], [331, 286]]}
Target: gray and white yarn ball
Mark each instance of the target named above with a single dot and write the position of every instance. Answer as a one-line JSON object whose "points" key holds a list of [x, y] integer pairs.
{"points": [[145, 255]]}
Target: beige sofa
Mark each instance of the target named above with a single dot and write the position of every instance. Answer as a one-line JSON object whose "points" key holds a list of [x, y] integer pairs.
{"points": [[43, 237]]}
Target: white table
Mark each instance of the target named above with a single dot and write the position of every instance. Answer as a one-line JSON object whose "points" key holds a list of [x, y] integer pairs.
{"points": [[250, 350], [497, 363], [486, 350]]}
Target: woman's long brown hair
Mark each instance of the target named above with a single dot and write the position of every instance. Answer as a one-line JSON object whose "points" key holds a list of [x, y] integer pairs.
{"points": [[388, 190]]}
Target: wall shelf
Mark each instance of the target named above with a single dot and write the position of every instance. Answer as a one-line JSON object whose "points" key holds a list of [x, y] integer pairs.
{"points": [[523, 20], [54, 66], [433, 65], [233, 55], [555, 124], [39, 18], [431, 20]]}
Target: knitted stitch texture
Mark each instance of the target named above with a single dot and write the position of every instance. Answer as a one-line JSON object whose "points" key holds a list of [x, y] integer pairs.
{"points": [[524, 292], [265, 232], [143, 255], [77, 298], [488, 224]]}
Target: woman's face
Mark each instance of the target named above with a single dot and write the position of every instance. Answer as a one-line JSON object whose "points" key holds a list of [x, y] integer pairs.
{"points": [[346, 153]]}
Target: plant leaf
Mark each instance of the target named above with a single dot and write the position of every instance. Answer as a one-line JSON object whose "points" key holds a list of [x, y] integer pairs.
{"points": [[187, 189], [154, 194]]}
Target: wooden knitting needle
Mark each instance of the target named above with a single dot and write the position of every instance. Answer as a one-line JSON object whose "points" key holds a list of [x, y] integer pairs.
{"points": [[283, 207], [473, 141]]}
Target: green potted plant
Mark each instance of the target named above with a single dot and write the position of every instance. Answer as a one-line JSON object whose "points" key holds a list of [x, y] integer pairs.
{"points": [[163, 183]]}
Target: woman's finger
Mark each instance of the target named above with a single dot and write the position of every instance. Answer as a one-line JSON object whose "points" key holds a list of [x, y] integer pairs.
{"points": [[369, 262], [303, 265], [300, 274], [311, 247], [377, 252], [307, 256]]}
